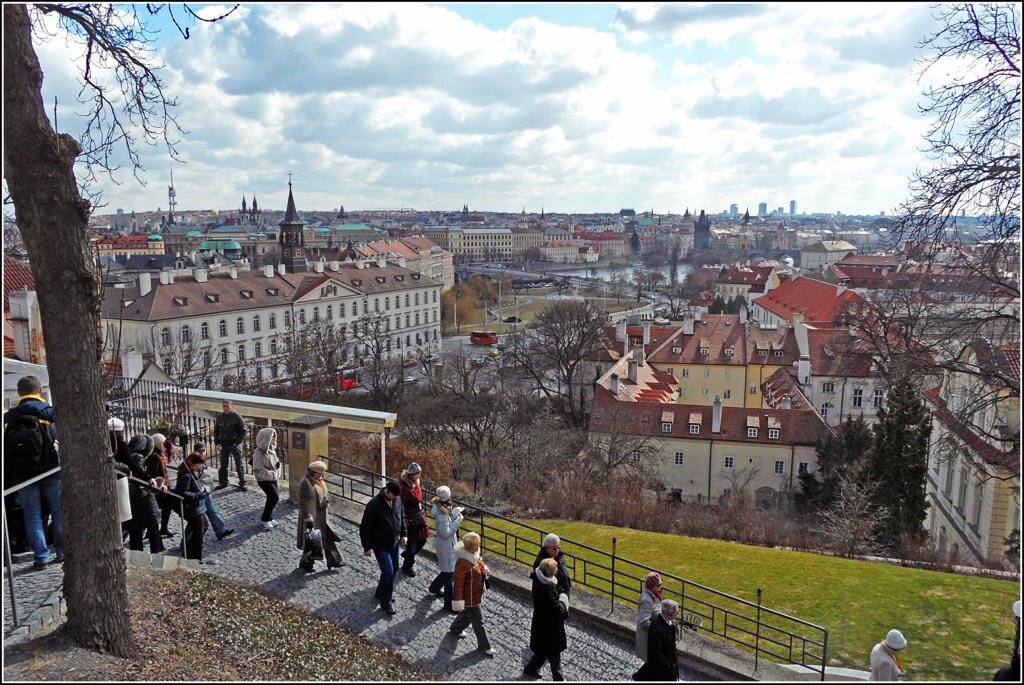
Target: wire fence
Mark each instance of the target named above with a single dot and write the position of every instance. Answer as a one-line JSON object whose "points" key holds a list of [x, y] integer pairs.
{"points": [[751, 626]]}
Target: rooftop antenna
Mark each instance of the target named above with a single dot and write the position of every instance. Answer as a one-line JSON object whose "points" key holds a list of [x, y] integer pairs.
{"points": [[172, 202]]}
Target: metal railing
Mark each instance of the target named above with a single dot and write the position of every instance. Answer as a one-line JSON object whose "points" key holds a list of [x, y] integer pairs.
{"points": [[750, 625]]}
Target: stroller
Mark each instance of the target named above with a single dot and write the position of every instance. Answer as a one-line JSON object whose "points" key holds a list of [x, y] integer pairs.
{"points": [[312, 548]]}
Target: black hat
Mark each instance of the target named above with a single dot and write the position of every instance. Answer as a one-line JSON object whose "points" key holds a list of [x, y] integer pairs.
{"points": [[393, 488]]}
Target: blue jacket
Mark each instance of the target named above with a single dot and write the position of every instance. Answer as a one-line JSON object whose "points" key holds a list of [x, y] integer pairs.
{"points": [[195, 495], [34, 405]]}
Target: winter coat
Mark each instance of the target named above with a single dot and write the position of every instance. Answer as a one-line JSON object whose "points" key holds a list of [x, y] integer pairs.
{"points": [[446, 528], [313, 502], [469, 577], [35, 405], [383, 524], [883, 667], [229, 429], [662, 662], [649, 606], [547, 629], [145, 510], [265, 464], [156, 467], [412, 502], [562, 575], [188, 486]]}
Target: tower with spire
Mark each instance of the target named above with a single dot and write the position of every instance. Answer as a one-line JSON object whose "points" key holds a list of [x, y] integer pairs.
{"points": [[746, 217], [172, 200], [291, 239], [702, 232]]}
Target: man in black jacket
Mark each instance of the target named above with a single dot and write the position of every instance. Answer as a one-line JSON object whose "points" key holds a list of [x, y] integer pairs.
{"points": [[552, 549], [662, 662], [228, 434], [382, 530]]}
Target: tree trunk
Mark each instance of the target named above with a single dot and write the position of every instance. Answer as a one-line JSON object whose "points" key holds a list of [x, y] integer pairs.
{"points": [[53, 220]]}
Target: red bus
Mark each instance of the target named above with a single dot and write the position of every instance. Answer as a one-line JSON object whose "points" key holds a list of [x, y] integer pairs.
{"points": [[349, 379], [483, 338]]}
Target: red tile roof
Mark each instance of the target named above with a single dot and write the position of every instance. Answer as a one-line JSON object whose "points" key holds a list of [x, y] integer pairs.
{"points": [[875, 260], [717, 333], [746, 275], [17, 275], [1009, 459], [796, 426], [9, 347], [1009, 360], [816, 300], [834, 352]]}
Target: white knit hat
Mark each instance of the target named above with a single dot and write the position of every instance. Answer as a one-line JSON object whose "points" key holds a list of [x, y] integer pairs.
{"points": [[116, 425], [895, 640], [444, 493]]}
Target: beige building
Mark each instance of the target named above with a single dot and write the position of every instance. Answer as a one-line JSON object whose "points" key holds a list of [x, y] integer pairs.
{"points": [[112, 246], [484, 244], [823, 254], [420, 254]]}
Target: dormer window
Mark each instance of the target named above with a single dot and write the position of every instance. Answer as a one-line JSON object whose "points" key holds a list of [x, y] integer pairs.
{"points": [[778, 353], [357, 282], [751, 432], [728, 352], [677, 350], [246, 294], [381, 279], [181, 301], [399, 278], [773, 433], [271, 291], [212, 297], [415, 277], [703, 351], [667, 418], [694, 429]]}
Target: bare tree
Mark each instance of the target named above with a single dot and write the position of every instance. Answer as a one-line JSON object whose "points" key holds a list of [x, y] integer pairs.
{"points": [[552, 352], [382, 361], [739, 480], [849, 526], [53, 220]]}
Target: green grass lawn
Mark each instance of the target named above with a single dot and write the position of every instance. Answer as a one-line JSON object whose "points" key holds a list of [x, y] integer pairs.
{"points": [[959, 627]]}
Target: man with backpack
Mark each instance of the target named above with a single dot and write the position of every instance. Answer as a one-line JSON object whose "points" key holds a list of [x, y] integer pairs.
{"points": [[30, 450]]}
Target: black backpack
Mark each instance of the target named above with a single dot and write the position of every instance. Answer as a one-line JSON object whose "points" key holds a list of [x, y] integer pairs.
{"points": [[24, 444]]}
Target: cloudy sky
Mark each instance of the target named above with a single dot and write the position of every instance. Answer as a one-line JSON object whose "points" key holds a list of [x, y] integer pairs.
{"points": [[575, 108]]}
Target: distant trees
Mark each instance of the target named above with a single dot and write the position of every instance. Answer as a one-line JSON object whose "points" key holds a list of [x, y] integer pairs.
{"points": [[381, 362], [838, 455]]}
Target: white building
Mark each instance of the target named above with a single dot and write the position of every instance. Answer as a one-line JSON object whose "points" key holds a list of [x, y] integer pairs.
{"points": [[823, 254]]}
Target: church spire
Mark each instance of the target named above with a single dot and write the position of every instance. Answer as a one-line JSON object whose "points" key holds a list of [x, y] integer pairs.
{"points": [[290, 214], [291, 238]]}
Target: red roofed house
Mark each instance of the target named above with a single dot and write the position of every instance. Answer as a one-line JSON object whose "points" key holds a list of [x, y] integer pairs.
{"points": [[973, 481], [23, 329], [702, 452], [748, 282], [421, 255], [804, 299]]}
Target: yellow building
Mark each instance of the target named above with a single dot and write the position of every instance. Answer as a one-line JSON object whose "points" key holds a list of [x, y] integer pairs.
{"points": [[112, 246], [738, 281]]}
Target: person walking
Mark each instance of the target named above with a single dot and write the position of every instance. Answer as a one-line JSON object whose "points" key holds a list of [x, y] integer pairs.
{"points": [[266, 468], [471, 579], [650, 606], [313, 503], [228, 434], [1011, 672], [30, 450], [662, 661], [145, 510], [547, 629], [189, 487], [885, 663], [447, 520], [415, 518], [552, 549], [381, 531], [220, 529], [156, 468]]}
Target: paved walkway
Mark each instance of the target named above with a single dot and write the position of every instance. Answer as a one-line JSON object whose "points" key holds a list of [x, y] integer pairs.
{"points": [[345, 596], [31, 590]]}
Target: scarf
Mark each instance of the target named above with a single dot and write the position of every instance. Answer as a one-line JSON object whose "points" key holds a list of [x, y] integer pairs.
{"points": [[653, 583], [319, 482]]}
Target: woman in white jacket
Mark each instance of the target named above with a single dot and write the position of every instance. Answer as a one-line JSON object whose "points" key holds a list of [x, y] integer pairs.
{"points": [[267, 469], [650, 606], [447, 520]]}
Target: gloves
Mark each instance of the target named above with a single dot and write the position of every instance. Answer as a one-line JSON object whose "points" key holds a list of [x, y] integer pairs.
{"points": [[564, 599], [459, 605]]}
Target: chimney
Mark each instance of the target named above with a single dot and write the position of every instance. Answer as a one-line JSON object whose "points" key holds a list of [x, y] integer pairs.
{"points": [[165, 278], [840, 289], [640, 354], [281, 270], [401, 262], [634, 367], [620, 330], [697, 314], [647, 333], [798, 317], [786, 402], [201, 275], [233, 272], [335, 266], [688, 325], [803, 370], [716, 416], [743, 314], [382, 262], [614, 386], [145, 284], [360, 263], [131, 364], [268, 270], [318, 267]]}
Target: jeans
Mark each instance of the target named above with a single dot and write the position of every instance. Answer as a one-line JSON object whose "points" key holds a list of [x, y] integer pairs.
{"points": [[475, 616], [387, 559], [226, 452], [30, 499], [269, 487], [534, 664], [211, 513], [445, 581], [411, 550]]}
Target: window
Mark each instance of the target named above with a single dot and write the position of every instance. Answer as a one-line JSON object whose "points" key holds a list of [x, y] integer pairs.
{"points": [[824, 410], [417, 299], [858, 397], [949, 480], [979, 496], [397, 302], [636, 453], [666, 427], [707, 373], [751, 432], [255, 323], [207, 359], [186, 334], [435, 297], [302, 317], [728, 394], [728, 352], [224, 355], [684, 373], [828, 387], [703, 351], [287, 319], [257, 349], [204, 331], [407, 321], [773, 433], [804, 467], [704, 392], [376, 304], [316, 313], [272, 321], [366, 306], [780, 467], [778, 353], [753, 388], [223, 328], [679, 458], [273, 347], [165, 337], [387, 304], [878, 399], [240, 326], [341, 310], [209, 383], [729, 462], [961, 497], [407, 299], [694, 429], [330, 312], [241, 353]]}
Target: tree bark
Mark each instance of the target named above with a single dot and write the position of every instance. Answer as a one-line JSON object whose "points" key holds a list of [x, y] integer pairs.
{"points": [[53, 220]]}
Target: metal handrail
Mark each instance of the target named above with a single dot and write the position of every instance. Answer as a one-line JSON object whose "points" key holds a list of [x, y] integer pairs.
{"points": [[619, 583]]}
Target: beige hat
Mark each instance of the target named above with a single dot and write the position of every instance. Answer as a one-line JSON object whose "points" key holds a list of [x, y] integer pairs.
{"points": [[318, 466]]}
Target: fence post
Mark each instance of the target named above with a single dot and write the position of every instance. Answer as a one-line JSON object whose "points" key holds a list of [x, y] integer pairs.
{"points": [[757, 634], [181, 512], [824, 656], [615, 544]]}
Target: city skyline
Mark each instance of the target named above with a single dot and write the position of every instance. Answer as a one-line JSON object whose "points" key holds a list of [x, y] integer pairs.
{"points": [[583, 111]]}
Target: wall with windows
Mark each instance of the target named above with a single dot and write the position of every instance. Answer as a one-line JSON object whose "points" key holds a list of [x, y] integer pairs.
{"points": [[840, 397]]}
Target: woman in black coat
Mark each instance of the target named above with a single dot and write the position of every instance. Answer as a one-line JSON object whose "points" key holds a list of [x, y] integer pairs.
{"points": [[547, 630], [662, 662], [145, 511]]}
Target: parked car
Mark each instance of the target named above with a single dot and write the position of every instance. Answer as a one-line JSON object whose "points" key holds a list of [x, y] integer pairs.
{"points": [[411, 363], [411, 379], [433, 359]]}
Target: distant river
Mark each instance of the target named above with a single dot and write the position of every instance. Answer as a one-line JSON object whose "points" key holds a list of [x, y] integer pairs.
{"points": [[605, 274]]}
